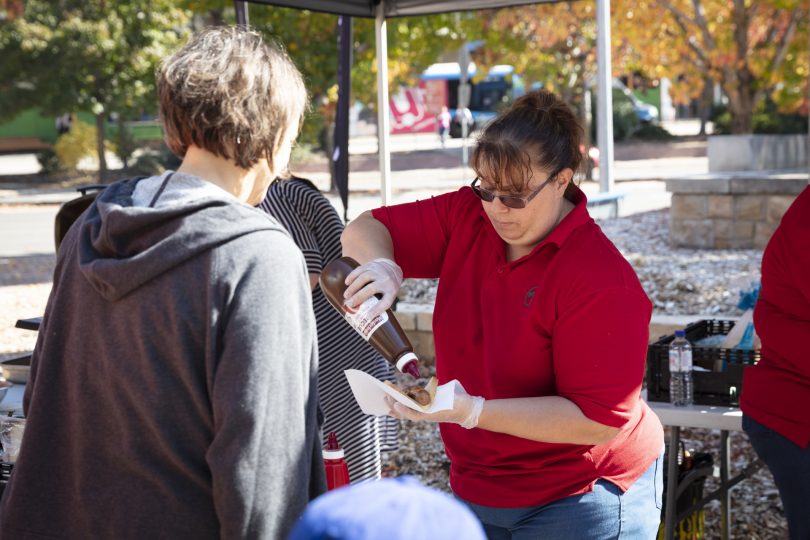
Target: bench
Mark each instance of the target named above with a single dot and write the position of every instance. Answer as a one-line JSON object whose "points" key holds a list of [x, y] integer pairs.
{"points": [[22, 144], [604, 205]]}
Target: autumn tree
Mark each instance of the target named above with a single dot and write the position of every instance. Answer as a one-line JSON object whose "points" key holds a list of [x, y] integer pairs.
{"points": [[86, 55], [752, 49], [552, 44]]}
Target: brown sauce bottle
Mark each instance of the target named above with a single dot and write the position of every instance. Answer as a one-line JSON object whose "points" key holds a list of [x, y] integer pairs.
{"points": [[383, 332]]}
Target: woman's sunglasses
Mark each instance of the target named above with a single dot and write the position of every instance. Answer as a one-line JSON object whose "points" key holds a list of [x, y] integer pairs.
{"points": [[509, 201]]}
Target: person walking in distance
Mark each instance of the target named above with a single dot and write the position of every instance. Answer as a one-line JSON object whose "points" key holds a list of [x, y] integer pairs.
{"points": [[444, 119]]}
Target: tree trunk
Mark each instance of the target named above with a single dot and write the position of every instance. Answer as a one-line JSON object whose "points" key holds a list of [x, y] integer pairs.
{"points": [[123, 142], [705, 104], [741, 108], [101, 124], [741, 120], [329, 144]]}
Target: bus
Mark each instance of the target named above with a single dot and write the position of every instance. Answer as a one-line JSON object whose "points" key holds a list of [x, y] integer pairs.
{"points": [[415, 110]]}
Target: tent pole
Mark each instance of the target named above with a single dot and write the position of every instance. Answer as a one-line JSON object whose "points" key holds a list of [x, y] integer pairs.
{"points": [[383, 122], [604, 109], [340, 155], [241, 12]]}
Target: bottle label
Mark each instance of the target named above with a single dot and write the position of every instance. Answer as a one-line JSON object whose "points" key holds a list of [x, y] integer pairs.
{"points": [[358, 318], [686, 360], [674, 360]]}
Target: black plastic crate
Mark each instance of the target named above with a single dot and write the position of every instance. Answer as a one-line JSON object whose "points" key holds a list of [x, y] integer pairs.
{"points": [[5, 475], [720, 385]]}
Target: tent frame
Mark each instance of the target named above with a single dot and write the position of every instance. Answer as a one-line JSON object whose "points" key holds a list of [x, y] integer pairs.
{"points": [[381, 9]]}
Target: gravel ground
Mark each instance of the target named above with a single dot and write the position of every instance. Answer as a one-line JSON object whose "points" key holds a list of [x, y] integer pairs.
{"points": [[678, 281]]}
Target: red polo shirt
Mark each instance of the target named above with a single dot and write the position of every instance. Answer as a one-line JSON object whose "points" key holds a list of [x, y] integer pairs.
{"points": [[777, 389], [569, 319]]}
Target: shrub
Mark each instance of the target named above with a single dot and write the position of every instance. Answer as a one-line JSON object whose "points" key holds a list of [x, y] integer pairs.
{"points": [[77, 144], [125, 144], [625, 120], [312, 131], [48, 161], [147, 164], [652, 132], [767, 120]]}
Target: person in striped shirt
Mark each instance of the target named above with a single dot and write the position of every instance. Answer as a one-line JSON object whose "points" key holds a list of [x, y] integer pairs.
{"points": [[315, 226]]}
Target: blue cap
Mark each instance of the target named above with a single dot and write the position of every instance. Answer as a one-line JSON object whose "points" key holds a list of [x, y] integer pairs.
{"points": [[391, 508], [680, 333]]}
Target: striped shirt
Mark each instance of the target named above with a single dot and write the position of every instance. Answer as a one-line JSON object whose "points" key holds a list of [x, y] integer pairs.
{"points": [[316, 228]]}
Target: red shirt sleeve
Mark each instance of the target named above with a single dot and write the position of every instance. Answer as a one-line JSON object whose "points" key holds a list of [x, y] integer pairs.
{"points": [[782, 314], [600, 351], [420, 232]]}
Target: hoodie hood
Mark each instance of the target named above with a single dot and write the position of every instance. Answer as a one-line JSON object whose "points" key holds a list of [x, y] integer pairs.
{"points": [[121, 246]]}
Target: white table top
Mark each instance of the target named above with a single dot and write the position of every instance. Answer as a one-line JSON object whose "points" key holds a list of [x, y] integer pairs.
{"points": [[697, 416], [13, 399]]}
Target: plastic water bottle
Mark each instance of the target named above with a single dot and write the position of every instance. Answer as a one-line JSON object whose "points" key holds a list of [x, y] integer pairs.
{"points": [[680, 370]]}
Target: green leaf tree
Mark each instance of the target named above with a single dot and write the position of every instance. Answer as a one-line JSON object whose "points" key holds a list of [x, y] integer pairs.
{"points": [[95, 56], [311, 40]]}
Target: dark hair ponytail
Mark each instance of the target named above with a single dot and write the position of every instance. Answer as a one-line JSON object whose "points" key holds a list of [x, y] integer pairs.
{"points": [[538, 129]]}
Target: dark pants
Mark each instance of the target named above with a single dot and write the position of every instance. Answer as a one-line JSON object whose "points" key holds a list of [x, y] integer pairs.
{"points": [[790, 466]]}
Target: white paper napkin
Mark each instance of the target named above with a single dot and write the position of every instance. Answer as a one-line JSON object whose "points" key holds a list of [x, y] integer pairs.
{"points": [[370, 394]]}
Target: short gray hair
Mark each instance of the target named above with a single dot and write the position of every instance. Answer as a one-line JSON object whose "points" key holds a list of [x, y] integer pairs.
{"points": [[231, 93]]}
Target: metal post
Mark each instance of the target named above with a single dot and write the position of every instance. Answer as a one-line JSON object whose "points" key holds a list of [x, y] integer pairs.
{"points": [[383, 128], [464, 99], [605, 98], [671, 508], [340, 156], [725, 498], [241, 12]]}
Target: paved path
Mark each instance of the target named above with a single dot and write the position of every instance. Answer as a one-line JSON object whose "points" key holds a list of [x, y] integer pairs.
{"points": [[26, 230], [420, 168]]}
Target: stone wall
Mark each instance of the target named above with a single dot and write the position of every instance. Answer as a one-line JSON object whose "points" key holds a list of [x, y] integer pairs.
{"points": [[756, 152], [417, 321], [731, 210]]}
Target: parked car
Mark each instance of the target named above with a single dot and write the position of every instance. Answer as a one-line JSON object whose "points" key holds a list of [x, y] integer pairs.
{"points": [[645, 112]]}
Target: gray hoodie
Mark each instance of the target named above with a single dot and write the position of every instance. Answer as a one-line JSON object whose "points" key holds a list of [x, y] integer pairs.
{"points": [[173, 385]]}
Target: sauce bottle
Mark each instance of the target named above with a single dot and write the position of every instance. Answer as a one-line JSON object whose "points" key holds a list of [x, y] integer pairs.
{"points": [[383, 331], [337, 470]]}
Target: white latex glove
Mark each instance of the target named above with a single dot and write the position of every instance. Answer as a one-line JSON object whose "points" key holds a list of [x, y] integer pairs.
{"points": [[380, 276], [465, 412]]}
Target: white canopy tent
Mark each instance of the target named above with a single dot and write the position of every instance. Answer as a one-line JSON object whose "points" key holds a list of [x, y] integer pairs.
{"points": [[380, 10]]}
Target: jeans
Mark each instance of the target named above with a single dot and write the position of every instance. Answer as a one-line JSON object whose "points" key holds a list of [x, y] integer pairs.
{"points": [[790, 466], [603, 513]]}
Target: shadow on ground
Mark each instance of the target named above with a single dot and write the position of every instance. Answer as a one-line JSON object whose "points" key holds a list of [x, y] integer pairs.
{"points": [[27, 269], [400, 161]]}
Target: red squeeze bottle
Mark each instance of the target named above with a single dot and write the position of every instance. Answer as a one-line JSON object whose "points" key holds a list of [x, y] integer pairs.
{"points": [[337, 471], [383, 331]]}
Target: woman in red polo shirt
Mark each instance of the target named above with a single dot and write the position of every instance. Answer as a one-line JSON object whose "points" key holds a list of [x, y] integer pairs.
{"points": [[777, 389], [544, 323]]}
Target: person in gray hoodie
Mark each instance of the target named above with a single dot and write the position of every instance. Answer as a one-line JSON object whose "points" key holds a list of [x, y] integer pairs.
{"points": [[172, 391]]}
